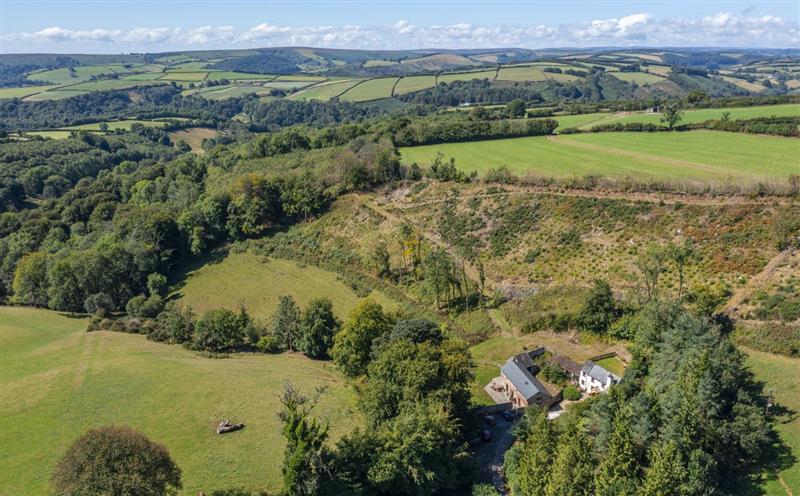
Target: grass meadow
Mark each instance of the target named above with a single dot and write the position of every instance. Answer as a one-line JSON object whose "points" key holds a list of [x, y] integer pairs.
{"points": [[699, 156], [780, 374], [370, 90], [586, 121], [258, 283], [57, 381]]}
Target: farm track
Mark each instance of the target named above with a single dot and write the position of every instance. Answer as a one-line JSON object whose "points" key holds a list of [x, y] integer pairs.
{"points": [[667, 198], [740, 294]]}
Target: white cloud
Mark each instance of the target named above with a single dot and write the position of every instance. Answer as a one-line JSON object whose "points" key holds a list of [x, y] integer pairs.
{"points": [[720, 29]]}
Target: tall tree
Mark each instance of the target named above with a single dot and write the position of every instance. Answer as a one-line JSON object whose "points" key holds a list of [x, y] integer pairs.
{"points": [[681, 255], [30, 280], [305, 463], [352, 345], [672, 113], [534, 456], [616, 474], [572, 473], [667, 473], [599, 310], [285, 325], [318, 325]]}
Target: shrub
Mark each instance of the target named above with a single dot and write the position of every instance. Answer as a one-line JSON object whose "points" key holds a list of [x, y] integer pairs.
{"points": [[571, 393], [218, 330], [270, 343], [156, 284], [174, 325], [99, 303], [116, 460], [151, 307], [134, 305]]}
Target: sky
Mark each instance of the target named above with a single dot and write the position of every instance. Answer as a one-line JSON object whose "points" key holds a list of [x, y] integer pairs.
{"points": [[123, 26]]}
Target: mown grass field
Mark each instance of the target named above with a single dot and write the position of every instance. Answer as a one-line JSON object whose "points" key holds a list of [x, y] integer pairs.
{"points": [[586, 121], [325, 91], [24, 91], [57, 381], [705, 156], [409, 84], [780, 374], [640, 78], [370, 90], [258, 283]]}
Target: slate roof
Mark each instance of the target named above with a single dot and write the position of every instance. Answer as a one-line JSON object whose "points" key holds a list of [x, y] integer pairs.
{"points": [[567, 364], [598, 373], [517, 370]]}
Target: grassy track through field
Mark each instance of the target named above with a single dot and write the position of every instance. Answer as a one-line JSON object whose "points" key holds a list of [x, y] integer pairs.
{"points": [[57, 381]]}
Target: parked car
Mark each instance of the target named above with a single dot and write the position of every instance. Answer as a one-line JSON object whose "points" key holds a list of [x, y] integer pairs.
{"points": [[486, 436], [508, 416], [490, 420]]}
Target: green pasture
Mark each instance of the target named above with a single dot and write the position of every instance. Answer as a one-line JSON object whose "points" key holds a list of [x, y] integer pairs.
{"points": [[57, 381], [370, 90], [640, 78], [183, 76], [111, 84], [780, 375], [410, 84], [705, 156], [585, 121], [56, 94], [325, 91], [521, 74], [24, 91], [258, 283], [66, 76], [466, 76]]}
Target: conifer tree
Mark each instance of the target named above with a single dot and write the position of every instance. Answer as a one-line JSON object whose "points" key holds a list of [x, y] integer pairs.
{"points": [[616, 475], [572, 473], [666, 474], [536, 457]]}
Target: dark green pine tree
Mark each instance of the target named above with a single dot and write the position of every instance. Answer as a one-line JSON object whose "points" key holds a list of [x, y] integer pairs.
{"points": [[617, 473], [667, 473], [572, 473], [286, 323], [536, 456]]}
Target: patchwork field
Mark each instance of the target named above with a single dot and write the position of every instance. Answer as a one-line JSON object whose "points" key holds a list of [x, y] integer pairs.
{"points": [[257, 283], [705, 156], [57, 381]]}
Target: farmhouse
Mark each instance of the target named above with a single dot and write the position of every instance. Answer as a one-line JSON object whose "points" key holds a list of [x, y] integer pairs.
{"points": [[518, 381], [595, 379]]}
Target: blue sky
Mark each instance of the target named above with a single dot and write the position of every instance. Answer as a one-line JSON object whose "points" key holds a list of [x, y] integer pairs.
{"points": [[111, 26]]}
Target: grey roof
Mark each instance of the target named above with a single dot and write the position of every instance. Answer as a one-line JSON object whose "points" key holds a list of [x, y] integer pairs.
{"points": [[517, 369], [598, 373], [567, 364]]}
